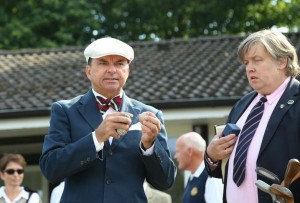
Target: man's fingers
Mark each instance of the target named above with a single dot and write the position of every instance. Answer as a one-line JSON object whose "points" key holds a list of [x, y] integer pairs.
{"points": [[221, 147]]}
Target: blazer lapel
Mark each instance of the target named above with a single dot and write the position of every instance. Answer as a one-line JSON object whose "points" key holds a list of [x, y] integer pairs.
{"points": [[89, 111], [243, 105], [130, 108], [287, 100]]}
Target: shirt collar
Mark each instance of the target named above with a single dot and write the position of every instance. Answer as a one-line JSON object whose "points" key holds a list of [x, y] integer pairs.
{"points": [[198, 171], [277, 93], [23, 194], [2, 191], [97, 94]]}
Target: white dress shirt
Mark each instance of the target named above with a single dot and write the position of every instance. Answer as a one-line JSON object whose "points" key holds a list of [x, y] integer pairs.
{"points": [[57, 193]]}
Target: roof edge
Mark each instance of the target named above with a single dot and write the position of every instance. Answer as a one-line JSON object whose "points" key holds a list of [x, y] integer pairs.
{"points": [[6, 114], [159, 104], [194, 103]]}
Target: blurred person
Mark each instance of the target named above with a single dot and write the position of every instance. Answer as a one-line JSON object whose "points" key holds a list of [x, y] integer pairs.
{"points": [[98, 142], [12, 173], [57, 193], [189, 153], [271, 65], [156, 196]]}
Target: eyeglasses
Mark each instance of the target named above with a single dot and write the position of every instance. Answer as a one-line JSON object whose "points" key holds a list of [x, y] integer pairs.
{"points": [[12, 171]]}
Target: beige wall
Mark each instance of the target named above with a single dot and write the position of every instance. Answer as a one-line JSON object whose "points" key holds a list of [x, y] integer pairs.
{"points": [[181, 121]]}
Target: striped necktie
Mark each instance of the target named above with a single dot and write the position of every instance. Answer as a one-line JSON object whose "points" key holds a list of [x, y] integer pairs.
{"points": [[104, 104], [245, 138]]}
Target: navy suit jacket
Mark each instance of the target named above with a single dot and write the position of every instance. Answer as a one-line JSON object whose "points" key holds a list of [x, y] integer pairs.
{"points": [[281, 141], [195, 189], [69, 154]]}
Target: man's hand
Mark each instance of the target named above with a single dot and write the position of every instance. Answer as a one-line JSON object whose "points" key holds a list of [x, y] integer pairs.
{"points": [[112, 122], [151, 126], [221, 147]]}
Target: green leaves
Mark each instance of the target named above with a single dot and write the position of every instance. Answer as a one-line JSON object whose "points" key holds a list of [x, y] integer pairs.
{"points": [[56, 23]]}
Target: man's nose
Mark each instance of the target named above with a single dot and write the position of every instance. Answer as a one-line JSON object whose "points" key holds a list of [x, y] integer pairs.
{"points": [[111, 68]]}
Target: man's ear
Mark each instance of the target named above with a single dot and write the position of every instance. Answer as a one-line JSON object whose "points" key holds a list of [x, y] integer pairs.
{"points": [[88, 71], [190, 151], [283, 63]]}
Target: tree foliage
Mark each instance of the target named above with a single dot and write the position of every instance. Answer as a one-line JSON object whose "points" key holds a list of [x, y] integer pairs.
{"points": [[56, 23]]}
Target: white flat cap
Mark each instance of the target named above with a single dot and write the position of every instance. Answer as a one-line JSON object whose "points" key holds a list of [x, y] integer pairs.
{"points": [[108, 46]]}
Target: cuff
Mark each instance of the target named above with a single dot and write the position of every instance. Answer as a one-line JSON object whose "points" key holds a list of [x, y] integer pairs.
{"points": [[99, 146], [146, 152]]}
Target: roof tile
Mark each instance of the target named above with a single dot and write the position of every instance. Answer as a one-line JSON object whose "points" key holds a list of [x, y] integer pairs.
{"points": [[177, 70]]}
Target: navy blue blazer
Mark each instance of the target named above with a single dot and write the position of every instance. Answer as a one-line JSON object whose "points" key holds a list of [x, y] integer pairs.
{"points": [[195, 189], [281, 141], [69, 154]]}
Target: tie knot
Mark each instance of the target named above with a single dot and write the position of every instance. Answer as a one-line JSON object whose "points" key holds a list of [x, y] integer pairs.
{"points": [[104, 104], [263, 99]]}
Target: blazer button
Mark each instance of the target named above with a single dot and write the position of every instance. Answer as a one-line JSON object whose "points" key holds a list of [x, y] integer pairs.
{"points": [[110, 152], [108, 181]]}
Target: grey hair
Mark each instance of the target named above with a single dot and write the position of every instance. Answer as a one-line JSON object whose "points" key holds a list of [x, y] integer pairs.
{"points": [[276, 44], [195, 140]]}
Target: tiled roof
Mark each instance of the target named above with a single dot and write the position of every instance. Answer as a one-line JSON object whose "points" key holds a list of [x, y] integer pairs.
{"points": [[178, 72]]}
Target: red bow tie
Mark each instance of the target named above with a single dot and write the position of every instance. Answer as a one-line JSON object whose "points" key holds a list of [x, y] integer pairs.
{"points": [[104, 104]]}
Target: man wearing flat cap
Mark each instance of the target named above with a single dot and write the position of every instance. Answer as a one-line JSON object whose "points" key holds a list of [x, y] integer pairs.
{"points": [[103, 143]]}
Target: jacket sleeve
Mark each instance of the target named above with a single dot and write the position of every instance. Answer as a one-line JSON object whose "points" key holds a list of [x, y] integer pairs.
{"points": [[160, 169]]}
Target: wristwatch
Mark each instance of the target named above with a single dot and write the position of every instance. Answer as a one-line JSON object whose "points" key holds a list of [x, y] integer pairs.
{"points": [[209, 159]]}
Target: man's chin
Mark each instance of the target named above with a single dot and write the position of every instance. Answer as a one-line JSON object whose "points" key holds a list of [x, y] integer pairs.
{"points": [[112, 90]]}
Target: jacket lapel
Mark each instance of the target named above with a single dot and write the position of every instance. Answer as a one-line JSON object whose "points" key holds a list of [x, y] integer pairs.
{"points": [[287, 100], [89, 111], [241, 107]]}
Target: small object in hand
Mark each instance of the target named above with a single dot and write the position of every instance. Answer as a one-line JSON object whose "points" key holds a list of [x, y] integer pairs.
{"points": [[231, 129], [142, 117], [121, 131]]}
